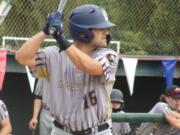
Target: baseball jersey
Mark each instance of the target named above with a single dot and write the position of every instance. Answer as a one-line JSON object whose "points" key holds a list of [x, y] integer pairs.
{"points": [[3, 111], [120, 128], [43, 90], [159, 128], [79, 100]]}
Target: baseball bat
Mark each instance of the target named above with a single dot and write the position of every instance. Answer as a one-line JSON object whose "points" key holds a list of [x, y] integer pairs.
{"points": [[61, 6]]}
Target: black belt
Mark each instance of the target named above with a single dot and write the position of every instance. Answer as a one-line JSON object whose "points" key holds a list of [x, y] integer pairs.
{"points": [[83, 132]]}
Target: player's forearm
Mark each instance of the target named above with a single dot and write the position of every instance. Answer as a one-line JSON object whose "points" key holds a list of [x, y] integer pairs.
{"points": [[26, 54], [173, 121], [37, 108], [84, 62], [6, 127], [6, 130]]}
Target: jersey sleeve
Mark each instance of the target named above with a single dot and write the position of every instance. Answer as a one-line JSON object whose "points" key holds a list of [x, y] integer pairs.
{"points": [[41, 64], [3, 111], [109, 61], [160, 108], [43, 59], [38, 89]]}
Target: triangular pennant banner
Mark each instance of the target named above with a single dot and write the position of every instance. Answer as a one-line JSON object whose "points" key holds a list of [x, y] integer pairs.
{"points": [[169, 69], [31, 79], [3, 59], [130, 69]]}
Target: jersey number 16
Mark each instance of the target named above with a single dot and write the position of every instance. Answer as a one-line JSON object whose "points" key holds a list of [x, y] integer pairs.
{"points": [[90, 99]]}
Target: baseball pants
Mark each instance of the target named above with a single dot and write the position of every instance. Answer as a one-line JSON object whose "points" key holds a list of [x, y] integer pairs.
{"points": [[46, 122]]}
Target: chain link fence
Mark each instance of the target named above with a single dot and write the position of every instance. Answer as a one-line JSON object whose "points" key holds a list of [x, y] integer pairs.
{"points": [[143, 27]]}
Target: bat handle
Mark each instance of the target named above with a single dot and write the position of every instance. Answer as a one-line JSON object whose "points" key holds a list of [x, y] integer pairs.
{"points": [[52, 31]]}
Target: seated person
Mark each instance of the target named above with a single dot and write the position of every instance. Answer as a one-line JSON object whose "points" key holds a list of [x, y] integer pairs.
{"points": [[169, 106], [117, 101]]}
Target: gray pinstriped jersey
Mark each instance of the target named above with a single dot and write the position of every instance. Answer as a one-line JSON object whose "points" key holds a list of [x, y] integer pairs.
{"points": [[3, 111], [79, 100], [43, 89], [158, 128]]}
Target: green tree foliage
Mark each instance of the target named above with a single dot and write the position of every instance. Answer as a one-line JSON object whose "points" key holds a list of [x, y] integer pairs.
{"points": [[164, 26], [145, 27]]}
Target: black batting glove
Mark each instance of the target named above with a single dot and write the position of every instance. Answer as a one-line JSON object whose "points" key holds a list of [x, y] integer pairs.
{"points": [[63, 43]]}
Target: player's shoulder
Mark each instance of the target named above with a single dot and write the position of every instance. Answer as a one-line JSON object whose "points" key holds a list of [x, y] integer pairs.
{"points": [[108, 54], [106, 51], [161, 104], [159, 107]]}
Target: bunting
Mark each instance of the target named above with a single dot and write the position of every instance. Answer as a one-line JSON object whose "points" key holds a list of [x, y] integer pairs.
{"points": [[3, 59], [169, 69], [130, 65]]}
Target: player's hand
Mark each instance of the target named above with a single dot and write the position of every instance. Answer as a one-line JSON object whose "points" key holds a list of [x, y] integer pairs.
{"points": [[53, 24], [33, 123]]}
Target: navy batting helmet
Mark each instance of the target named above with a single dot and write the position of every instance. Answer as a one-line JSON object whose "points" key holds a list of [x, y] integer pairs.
{"points": [[84, 18], [117, 96]]}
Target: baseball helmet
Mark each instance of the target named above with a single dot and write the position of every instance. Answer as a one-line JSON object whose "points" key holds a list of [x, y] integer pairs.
{"points": [[84, 18], [117, 96]]}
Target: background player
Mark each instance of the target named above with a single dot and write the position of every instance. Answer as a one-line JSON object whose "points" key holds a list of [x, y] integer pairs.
{"points": [[117, 101], [42, 100], [5, 124], [81, 77], [169, 106]]}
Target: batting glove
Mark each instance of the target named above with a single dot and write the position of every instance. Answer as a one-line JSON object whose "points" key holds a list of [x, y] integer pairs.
{"points": [[63, 43], [53, 24]]}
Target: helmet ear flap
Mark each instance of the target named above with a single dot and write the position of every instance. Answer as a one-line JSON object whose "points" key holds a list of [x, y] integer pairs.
{"points": [[79, 34], [108, 38]]}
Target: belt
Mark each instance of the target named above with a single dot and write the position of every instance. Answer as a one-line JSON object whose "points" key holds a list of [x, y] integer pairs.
{"points": [[83, 132]]}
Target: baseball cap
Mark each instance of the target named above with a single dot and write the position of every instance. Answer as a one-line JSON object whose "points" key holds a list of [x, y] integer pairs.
{"points": [[173, 91]]}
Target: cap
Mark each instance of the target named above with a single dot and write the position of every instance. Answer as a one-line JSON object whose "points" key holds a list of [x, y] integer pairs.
{"points": [[173, 91]]}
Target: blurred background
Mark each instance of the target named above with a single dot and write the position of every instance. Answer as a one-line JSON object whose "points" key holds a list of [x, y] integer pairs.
{"points": [[143, 27]]}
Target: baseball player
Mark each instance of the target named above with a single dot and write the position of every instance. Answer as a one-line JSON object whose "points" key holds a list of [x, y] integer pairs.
{"points": [[117, 101], [81, 74], [42, 100], [4, 120], [169, 106]]}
